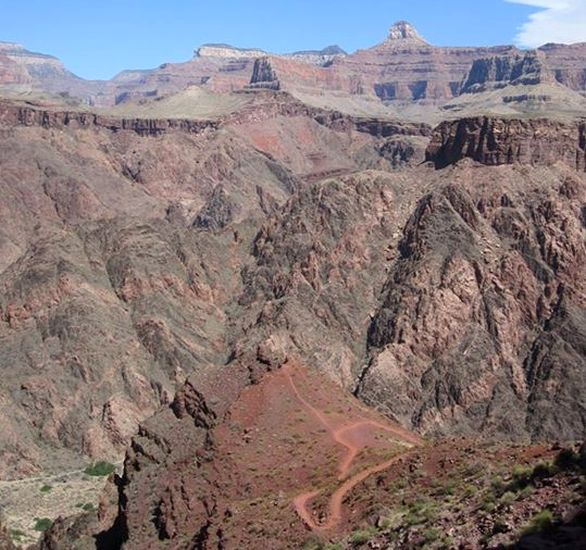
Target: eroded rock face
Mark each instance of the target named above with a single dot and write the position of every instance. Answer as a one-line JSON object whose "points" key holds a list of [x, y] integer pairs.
{"points": [[495, 141], [122, 246], [482, 310], [497, 72]]}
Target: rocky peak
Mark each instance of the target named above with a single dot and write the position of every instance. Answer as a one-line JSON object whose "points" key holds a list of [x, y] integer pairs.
{"points": [[404, 31]]}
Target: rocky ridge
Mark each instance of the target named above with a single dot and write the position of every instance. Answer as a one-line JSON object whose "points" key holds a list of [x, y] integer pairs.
{"points": [[402, 70]]}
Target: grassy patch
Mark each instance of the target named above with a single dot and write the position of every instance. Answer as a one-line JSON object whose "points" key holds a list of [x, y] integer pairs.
{"points": [[46, 489], [88, 507], [100, 469]]}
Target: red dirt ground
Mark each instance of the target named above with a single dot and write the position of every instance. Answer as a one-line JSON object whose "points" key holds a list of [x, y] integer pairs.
{"points": [[291, 438]]}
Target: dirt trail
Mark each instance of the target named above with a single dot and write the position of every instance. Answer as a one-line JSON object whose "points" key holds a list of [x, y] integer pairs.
{"points": [[342, 435]]}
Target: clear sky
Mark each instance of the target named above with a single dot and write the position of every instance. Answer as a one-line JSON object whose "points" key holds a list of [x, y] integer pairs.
{"points": [[100, 38]]}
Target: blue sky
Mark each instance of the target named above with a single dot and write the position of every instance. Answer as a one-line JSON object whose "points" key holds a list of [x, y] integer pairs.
{"points": [[98, 39]]}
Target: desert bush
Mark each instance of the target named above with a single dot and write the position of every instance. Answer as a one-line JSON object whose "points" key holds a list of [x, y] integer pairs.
{"points": [[525, 492], [488, 502], [498, 485], [362, 536], [99, 469], [46, 489], [567, 459], [431, 535], [508, 498], [16, 534], [543, 470], [42, 524], [540, 522]]}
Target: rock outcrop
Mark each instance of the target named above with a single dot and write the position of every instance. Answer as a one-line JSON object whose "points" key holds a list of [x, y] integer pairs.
{"points": [[402, 33], [496, 141], [498, 72], [483, 308], [264, 76]]}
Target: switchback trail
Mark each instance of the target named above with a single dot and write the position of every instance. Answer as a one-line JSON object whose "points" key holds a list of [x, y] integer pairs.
{"points": [[342, 436]]}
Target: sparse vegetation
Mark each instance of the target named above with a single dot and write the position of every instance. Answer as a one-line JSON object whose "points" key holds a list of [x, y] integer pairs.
{"points": [[100, 469], [46, 488], [16, 535], [431, 535], [88, 507]]}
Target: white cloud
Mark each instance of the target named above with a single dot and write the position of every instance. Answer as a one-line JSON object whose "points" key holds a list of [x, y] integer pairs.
{"points": [[562, 21]]}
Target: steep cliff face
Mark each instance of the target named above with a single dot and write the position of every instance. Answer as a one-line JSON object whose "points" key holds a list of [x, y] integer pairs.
{"points": [[406, 68], [11, 73], [495, 141], [403, 69], [497, 72], [566, 61], [264, 76]]}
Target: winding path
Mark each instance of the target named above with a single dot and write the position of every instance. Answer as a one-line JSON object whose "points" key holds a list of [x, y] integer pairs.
{"points": [[342, 436]]}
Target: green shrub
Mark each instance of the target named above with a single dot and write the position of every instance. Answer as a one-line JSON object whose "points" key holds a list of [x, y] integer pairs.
{"points": [[567, 459], [100, 469], [498, 485], [362, 536], [431, 535], [508, 498], [488, 505], [522, 473], [46, 489], [540, 522], [543, 470], [42, 524], [88, 507], [488, 502], [525, 492], [522, 476]]}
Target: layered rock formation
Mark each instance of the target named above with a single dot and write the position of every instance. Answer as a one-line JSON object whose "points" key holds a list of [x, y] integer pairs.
{"points": [[401, 70], [498, 72], [463, 285], [494, 142]]}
